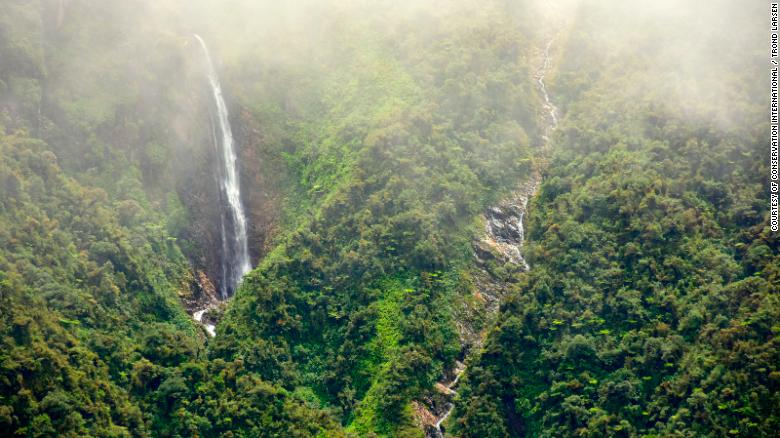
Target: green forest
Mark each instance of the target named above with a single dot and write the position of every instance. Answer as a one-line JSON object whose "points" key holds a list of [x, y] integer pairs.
{"points": [[496, 218]]}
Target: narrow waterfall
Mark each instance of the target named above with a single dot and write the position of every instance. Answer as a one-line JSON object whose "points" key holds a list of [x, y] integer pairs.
{"points": [[548, 105], [504, 234], [235, 257]]}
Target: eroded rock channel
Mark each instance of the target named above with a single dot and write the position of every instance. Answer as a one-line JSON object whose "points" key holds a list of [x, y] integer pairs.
{"points": [[501, 244]]}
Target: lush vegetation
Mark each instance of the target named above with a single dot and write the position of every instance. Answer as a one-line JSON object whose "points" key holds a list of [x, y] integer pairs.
{"points": [[385, 152], [652, 306], [94, 338], [355, 305], [372, 137]]}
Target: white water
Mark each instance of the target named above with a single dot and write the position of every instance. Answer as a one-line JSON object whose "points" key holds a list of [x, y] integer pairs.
{"points": [[444, 417], [504, 225], [459, 369], [235, 257], [509, 247], [548, 105], [210, 328]]}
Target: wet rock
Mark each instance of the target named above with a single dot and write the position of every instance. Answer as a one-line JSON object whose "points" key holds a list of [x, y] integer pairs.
{"points": [[484, 252], [202, 301], [502, 244]]}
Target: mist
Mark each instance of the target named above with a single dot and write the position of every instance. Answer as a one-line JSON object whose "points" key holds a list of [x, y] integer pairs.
{"points": [[386, 218]]}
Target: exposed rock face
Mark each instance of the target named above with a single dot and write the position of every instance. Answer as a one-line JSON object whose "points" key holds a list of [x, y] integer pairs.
{"points": [[504, 230], [201, 300], [235, 261], [208, 291], [424, 417], [261, 177], [200, 195], [194, 173], [194, 164], [202, 292], [438, 405], [500, 246], [504, 222]]}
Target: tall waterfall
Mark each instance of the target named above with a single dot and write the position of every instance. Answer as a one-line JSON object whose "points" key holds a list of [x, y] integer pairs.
{"points": [[233, 229]]}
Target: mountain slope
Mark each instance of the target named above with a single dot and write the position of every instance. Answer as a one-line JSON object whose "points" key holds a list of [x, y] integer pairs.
{"points": [[652, 304]]}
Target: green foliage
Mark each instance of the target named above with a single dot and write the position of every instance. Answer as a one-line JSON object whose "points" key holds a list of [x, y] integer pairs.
{"points": [[383, 154], [411, 137], [648, 311], [651, 309], [71, 279]]}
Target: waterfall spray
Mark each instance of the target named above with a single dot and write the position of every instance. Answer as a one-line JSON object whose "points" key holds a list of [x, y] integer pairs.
{"points": [[235, 257]]}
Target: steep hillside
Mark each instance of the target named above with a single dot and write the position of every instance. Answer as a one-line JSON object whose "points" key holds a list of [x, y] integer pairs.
{"points": [[651, 308], [412, 137], [465, 218], [367, 157]]}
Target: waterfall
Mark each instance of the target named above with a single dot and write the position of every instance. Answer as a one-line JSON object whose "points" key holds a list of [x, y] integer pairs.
{"points": [[235, 257], [505, 235], [210, 328], [548, 105]]}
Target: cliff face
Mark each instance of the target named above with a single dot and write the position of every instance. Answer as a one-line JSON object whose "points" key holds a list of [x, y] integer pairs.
{"points": [[195, 174], [200, 193], [260, 178]]}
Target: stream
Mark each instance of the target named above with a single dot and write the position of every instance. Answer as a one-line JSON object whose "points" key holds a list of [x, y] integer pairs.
{"points": [[504, 234], [210, 328], [552, 111]]}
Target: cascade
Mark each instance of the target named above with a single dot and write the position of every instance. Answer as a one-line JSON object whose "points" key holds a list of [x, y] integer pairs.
{"points": [[233, 228], [505, 233]]}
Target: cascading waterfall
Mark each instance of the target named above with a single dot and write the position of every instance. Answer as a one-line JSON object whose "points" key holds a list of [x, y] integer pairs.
{"points": [[235, 257], [505, 234], [548, 105]]}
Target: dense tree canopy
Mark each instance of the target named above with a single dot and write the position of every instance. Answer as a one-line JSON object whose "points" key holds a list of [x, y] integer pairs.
{"points": [[372, 138], [652, 305]]}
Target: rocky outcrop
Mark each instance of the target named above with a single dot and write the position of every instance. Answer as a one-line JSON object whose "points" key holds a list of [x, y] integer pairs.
{"points": [[262, 175], [201, 300], [436, 406], [260, 196], [501, 246], [504, 230], [201, 292]]}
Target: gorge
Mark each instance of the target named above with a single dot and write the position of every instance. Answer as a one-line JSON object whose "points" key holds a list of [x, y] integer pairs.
{"points": [[232, 252], [503, 240], [360, 218]]}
